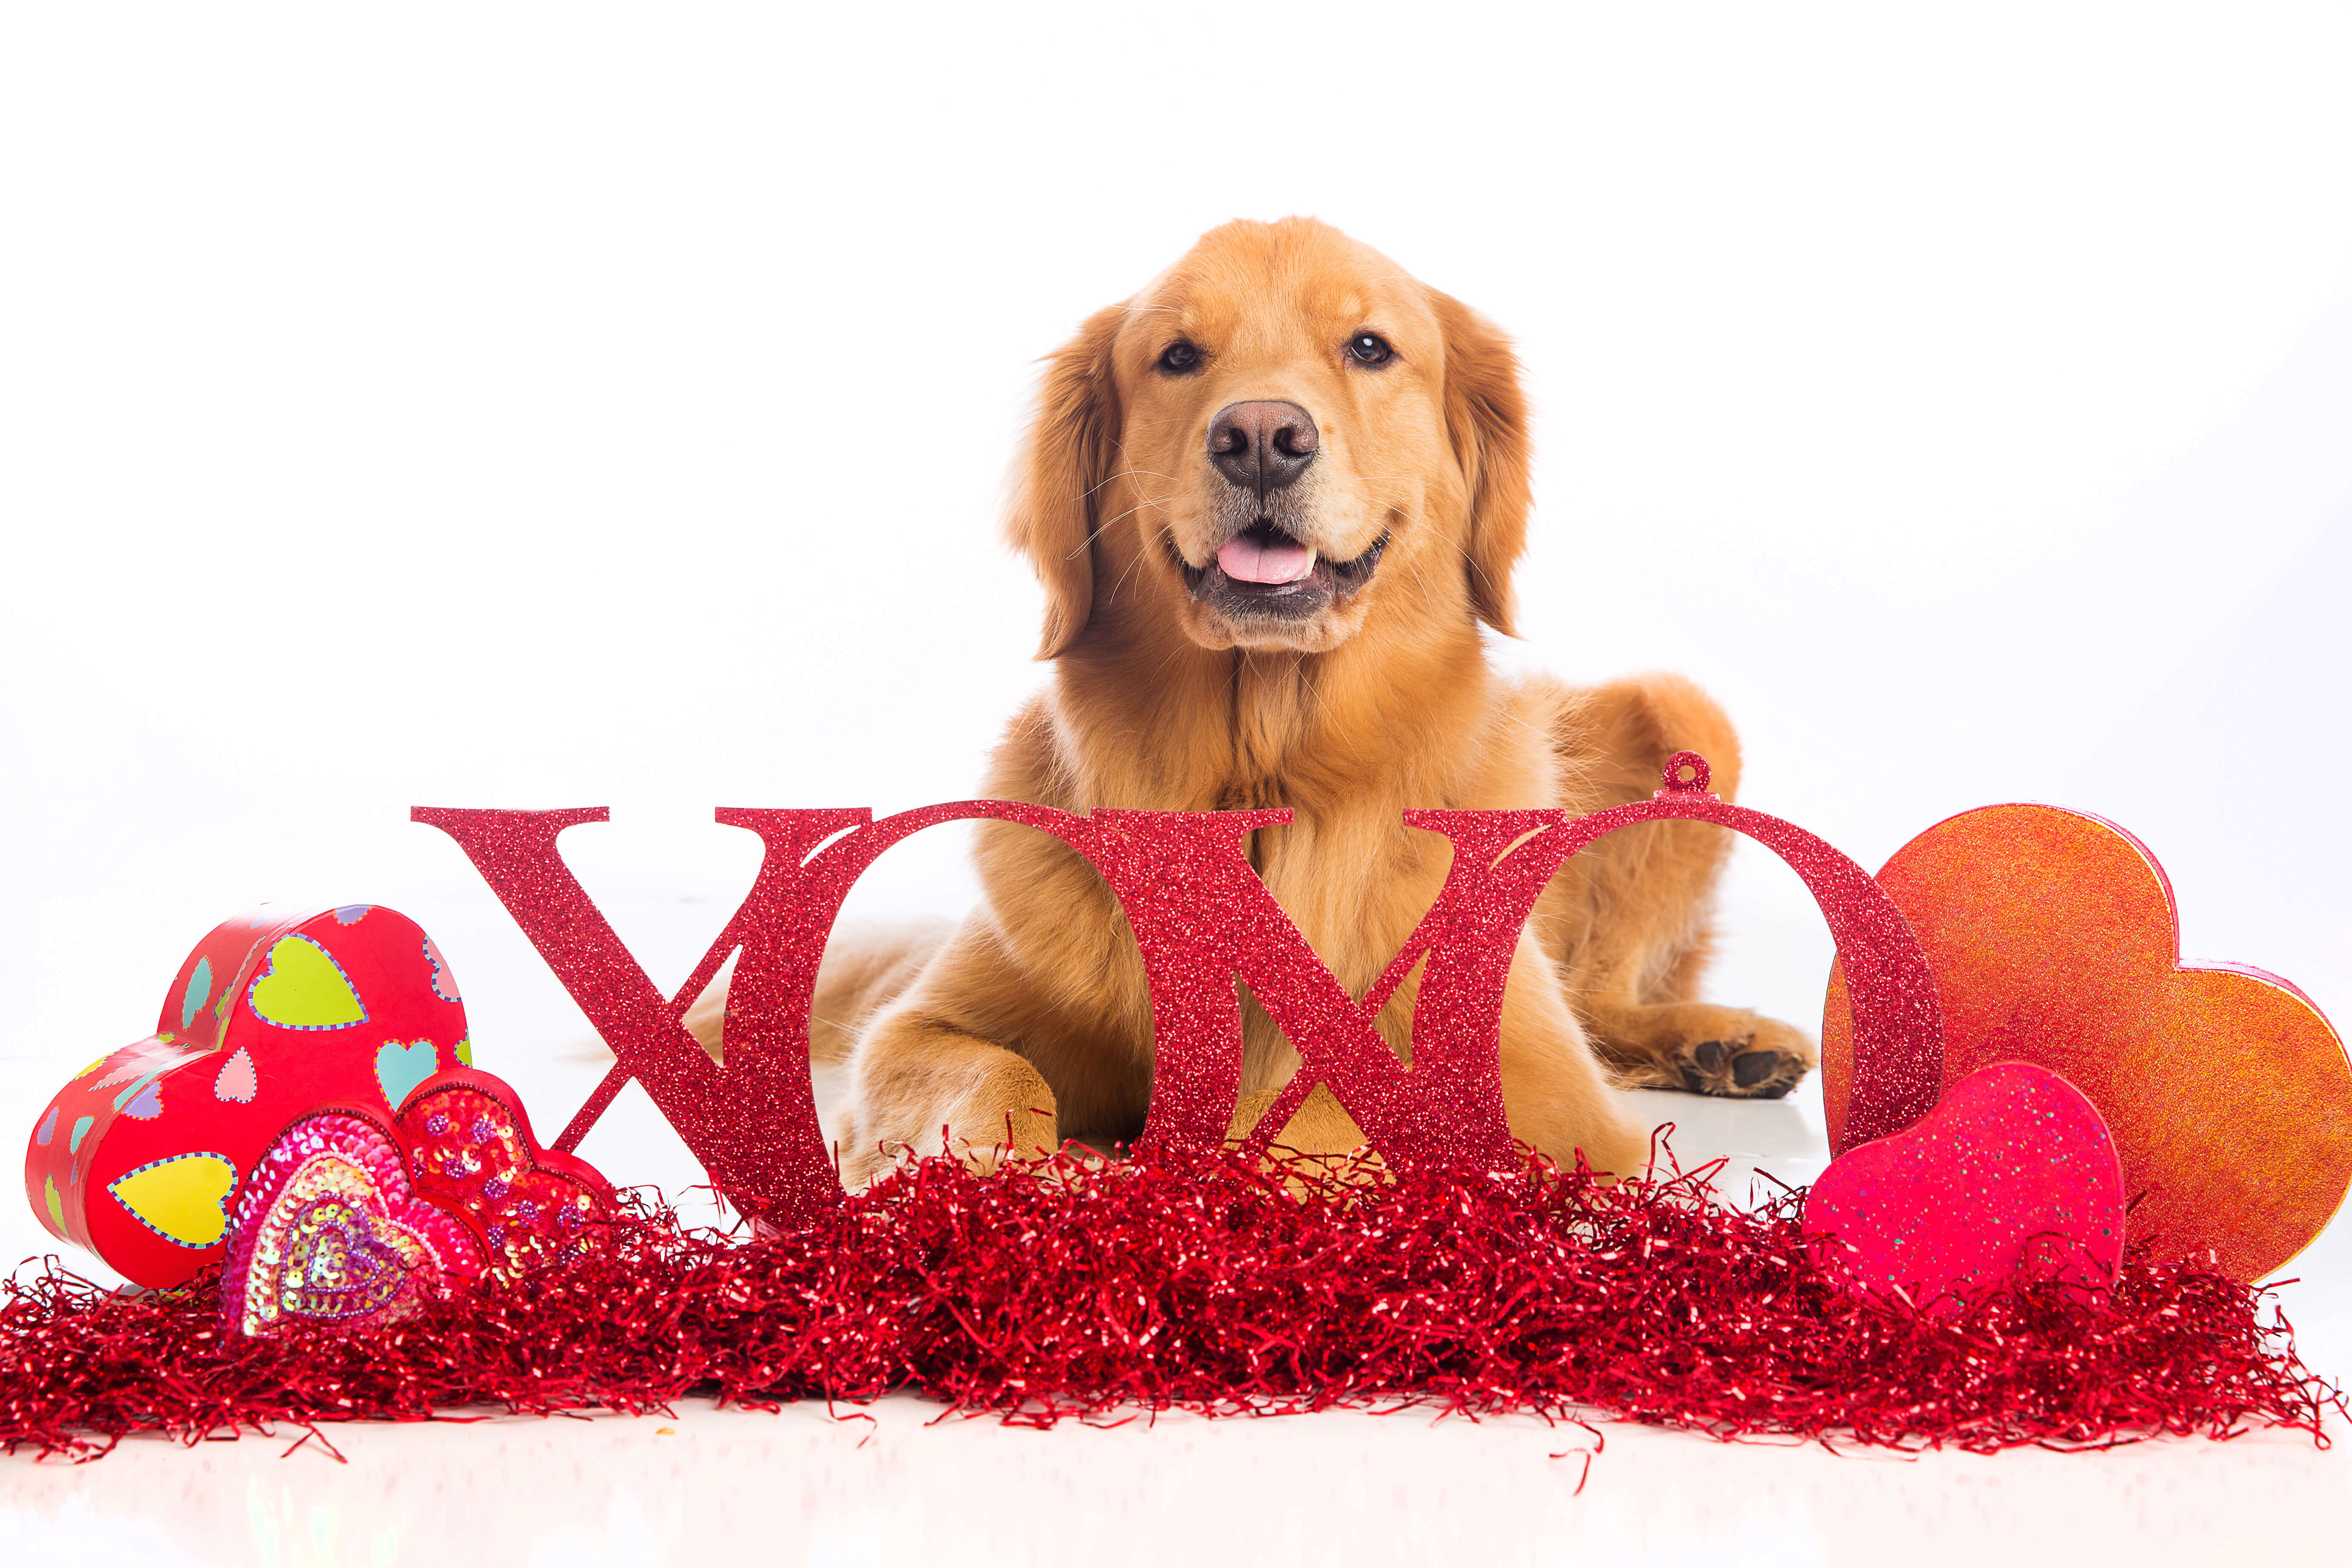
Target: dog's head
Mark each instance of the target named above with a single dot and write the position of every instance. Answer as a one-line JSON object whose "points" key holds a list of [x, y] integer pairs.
{"points": [[1280, 434]]}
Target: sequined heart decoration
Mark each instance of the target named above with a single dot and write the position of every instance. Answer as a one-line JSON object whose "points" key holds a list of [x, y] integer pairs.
{"points": [[2013, 1174], [475, 1155], [331, 1233], [343, 1271]]}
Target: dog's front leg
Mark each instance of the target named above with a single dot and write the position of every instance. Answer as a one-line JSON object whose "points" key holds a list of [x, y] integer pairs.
{"points": [[1555, 1093], [1629, 920], [920, 1081]]}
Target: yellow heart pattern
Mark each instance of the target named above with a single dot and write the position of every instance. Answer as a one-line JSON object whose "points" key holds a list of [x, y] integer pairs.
{"points": [[302, 987], [183, 1199]]}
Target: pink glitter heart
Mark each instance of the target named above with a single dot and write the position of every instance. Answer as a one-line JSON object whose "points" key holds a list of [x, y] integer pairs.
{"points": [[2013, 1174]]}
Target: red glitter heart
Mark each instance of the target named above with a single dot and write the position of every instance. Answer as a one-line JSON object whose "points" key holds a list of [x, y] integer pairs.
{"points": [[2013, 1174], [474, 1153]]}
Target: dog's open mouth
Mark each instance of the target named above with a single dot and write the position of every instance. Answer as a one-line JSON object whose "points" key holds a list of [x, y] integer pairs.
{"points": [[1263, 569]]}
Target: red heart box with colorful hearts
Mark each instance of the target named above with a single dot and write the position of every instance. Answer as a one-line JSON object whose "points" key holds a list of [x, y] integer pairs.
{"points": [[139, 1156]]}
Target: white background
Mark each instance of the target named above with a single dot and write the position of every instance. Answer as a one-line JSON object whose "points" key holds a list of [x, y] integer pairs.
{"points": [[597, 405]]}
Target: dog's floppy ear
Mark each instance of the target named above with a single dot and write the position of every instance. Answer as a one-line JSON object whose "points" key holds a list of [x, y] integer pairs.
{"points": [[1058, 479], [1486, 417]]}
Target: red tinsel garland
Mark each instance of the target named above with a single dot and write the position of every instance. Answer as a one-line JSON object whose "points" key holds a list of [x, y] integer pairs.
{"points": [[1072, 1288]]}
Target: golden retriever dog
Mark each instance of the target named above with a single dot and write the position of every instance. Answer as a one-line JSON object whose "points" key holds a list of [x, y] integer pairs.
{"points": [[1273, 500]]}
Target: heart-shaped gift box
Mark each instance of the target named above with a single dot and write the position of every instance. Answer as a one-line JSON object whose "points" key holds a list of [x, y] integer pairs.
{"points": [[2055, 938], [139, 1156]]}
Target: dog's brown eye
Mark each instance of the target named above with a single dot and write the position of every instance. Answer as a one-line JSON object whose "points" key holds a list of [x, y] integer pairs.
{"points": [[1178, 357], [1370, 348]]}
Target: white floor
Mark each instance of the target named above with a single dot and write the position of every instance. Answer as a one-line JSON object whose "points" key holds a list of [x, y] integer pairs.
{"points": [[806, 1487]]}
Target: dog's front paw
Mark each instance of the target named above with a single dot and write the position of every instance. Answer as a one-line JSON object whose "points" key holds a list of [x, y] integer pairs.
{"points": [[1027, 1132], [1759, 1058]]}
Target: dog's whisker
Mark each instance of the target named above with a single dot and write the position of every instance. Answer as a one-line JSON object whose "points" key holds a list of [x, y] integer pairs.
{"points": [[1308, 681], [1421, 581], [1125, 474], [1106, 523], [1130, 512], [1112, 597], [1470, 561]]}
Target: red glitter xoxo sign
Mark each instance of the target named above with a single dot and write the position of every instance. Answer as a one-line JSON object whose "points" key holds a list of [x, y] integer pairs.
{"points": [[1203, 920], [1991, 1223]]}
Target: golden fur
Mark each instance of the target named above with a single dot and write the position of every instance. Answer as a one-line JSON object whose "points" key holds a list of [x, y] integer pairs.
{"points": [[1177, 687]]}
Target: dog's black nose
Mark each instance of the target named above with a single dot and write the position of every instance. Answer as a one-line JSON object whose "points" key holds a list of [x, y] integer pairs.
{"points": [[1262, 446]]}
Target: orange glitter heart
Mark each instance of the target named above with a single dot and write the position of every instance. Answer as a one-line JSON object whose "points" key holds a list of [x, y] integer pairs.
{"points": [[2053, 940]]}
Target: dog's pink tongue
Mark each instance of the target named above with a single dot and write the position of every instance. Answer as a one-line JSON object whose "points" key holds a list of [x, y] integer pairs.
{"points": [[1247, 561]]}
